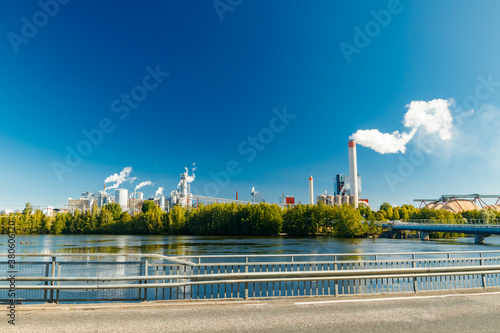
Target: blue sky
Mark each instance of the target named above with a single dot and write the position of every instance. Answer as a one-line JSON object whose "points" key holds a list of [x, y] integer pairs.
{"points": [[227, 79]]}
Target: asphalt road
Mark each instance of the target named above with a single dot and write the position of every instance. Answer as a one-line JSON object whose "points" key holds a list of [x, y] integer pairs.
{"points": [[474, 312]]}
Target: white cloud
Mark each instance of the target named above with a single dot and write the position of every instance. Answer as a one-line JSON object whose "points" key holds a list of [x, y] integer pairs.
{"points": [[428, 118]]}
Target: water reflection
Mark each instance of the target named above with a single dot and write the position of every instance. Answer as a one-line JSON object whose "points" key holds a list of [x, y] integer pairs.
{"points": [[219, 245]]}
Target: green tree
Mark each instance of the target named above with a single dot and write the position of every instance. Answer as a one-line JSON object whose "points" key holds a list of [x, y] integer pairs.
{"points": [[347, 222], [405, 216], [115, 209], [46, 225], [148, 205], [59, 224], [106, 220]]}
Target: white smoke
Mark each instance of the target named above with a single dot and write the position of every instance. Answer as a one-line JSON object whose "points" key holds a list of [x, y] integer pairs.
{"points": [[118, 178], [159, 192], [190, 179], [132, 179], [142, 184], [433, 117], [383, 143]]}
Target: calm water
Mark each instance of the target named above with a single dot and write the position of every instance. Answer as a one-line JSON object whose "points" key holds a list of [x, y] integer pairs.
{"points": [[202, 245]]}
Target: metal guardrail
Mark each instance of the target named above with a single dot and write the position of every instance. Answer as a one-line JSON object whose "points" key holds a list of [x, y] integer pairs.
{"points": [[239, 276], [456, 221], [439, 221]]}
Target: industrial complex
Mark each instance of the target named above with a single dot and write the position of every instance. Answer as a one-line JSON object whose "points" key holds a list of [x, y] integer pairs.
{"points": [[347, 189]]}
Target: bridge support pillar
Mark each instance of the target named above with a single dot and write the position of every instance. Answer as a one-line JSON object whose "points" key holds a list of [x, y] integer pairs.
{"points": [[424, 235], [479, 239]]}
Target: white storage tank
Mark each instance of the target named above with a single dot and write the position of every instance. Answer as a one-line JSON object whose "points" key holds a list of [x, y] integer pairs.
{"points": [[121, 198]]}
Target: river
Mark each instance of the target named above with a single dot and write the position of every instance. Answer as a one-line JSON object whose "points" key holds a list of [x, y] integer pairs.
{"points": [[213, 245]]}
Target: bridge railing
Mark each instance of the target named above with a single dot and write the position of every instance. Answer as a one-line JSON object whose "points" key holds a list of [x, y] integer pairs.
{"points": [[240, 276], [456, 221]]}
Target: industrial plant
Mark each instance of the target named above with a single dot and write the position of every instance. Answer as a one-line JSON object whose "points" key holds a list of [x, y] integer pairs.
{"points": [[129, 202], [347, 190]]}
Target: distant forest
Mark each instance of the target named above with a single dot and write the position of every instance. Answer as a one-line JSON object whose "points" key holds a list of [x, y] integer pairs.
{"points": [[230, 219]]}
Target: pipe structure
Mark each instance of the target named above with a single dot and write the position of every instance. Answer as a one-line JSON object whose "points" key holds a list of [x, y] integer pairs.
{"points": [[353, 172], [311, 191]]}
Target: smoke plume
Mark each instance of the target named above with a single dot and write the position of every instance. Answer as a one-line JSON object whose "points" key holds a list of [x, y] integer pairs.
{"points": [[159, 192], [118, 178], [142, 184], [190, 179], [433, 117]]}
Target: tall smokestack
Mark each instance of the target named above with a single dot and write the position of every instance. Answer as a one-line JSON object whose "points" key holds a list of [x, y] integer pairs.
{"points": [[311, 191], [353, 172]]}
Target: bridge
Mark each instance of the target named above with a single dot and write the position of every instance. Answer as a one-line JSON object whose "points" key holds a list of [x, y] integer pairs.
{"points": [[479, 228]]}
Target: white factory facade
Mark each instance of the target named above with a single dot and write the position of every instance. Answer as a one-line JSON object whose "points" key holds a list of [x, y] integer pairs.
{"points": [[129, 202]]}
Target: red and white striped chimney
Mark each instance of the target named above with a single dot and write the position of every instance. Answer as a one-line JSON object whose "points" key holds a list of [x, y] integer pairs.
{"points": [[353, 172], [311, 191]]}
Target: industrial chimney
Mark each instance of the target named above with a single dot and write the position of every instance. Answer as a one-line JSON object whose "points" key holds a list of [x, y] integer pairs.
{"points": [[353, 172], [311, 191]]}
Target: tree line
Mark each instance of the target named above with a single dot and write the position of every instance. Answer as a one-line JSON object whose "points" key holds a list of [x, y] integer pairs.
{"points": [[233, 219]]}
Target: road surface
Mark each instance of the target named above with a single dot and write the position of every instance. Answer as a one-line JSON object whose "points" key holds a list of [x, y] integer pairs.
{"points": [[466, 312]]}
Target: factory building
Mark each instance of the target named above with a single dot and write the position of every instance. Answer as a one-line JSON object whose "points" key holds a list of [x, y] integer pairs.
{"points": [[347, 188], [182, 195], [82, 205], [257, 196], [121, 198], [342, 185], [287, 200]]}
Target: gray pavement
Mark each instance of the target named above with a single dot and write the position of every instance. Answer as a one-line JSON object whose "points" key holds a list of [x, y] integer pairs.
{"points": [[467, 312]]}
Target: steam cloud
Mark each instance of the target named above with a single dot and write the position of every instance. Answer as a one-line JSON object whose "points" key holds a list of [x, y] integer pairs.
{"points": [[118, 179], [142, 184], [190, 179], [433, 117], [159, 192]]}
